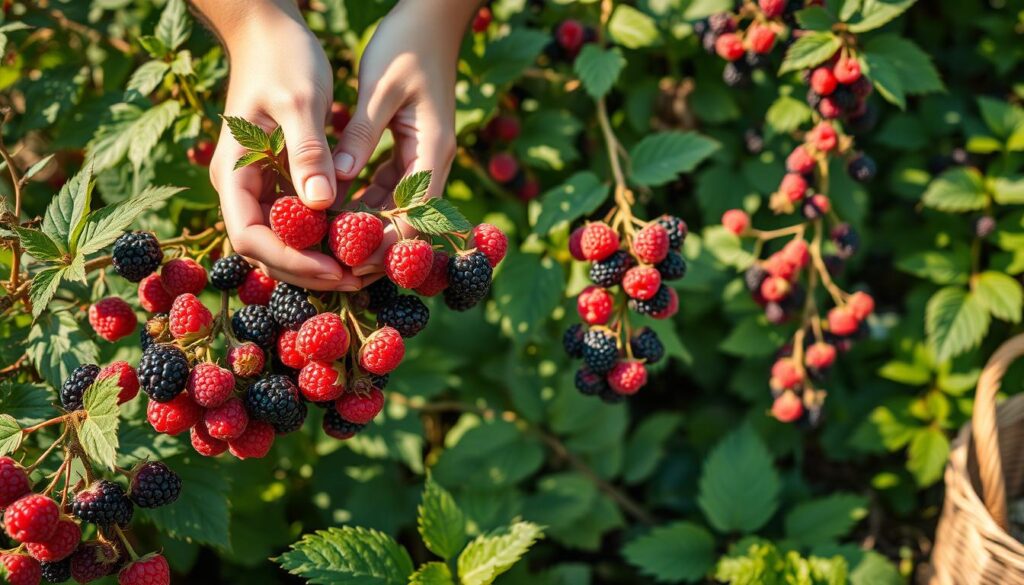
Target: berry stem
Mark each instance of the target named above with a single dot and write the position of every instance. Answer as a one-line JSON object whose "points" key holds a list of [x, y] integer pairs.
{"points": [[124, 540], [46, 453], [16, 181], [65, 466], [44, 424]]}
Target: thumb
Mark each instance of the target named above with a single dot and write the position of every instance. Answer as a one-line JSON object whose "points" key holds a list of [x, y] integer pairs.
{"points": [[360, 138], [309, 159]]}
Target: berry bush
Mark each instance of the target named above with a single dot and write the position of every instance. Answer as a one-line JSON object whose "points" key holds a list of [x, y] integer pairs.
{"points": [[704, 301]]}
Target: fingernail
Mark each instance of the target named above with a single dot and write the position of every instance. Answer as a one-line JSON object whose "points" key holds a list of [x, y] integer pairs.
{"points": [[344, 162], [348, 287], [366, 269], [316, 188], [331, 276]]}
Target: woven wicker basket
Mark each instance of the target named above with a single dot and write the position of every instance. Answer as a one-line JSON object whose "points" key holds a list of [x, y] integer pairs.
{"points": [[986, 466]]}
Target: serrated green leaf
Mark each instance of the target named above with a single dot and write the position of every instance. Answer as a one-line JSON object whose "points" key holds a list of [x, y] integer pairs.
{"points": [[927, 455], [940, 267], [98, 432], [249, 158], [727, 247], [492, 554], [598, 69], [39, 245], [825, 519], [678, 552], [37, 166], [412, 190], [1000, 294], [44, 285], [182, 64], [899, 67], [147, 130], [955, 321], [529, 289], [277, 140], [1002, 119], [247, 134], [815, 18], [876, 13], [646, 446], [810, 50], [65, 215], [661, 157], [175, 24], [580, 195], [433, 573], [201, 514], [904, 373], [436, 217], [106, 224], [787, 114], [146, 78], [57, 345], [27, 403], [10, 434], [441, 522], [957, 190], [848, 9], [348, 556], [154, 46], [1008, 190], [631, 28], [739, 486]]}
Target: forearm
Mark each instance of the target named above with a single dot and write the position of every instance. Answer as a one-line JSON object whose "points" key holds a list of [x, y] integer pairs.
{"points": [[237, 22], [446, 19]]}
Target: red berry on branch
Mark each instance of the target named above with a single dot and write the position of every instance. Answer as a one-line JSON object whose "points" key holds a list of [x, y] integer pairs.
{"points": [[847, 70], [482, 19], [823, 82], [14, 482], [246, 360], [204, 443], [354, 236], [382, 351], [21, 569], [641, 282], [32, 518], [793, 186], [340, 117], [571, 35], [598, 241], [736, 221], [503, 128], [796, 253], [490, 240], [286, 351], [829, 108], [153, 296], [777, 266], [112, 318], [772, 8], [861, 304], [127, 380], [173, 417], [627, 377], [320, 381], [786, 374], [255, 442], [651, 243], [823, 137], [149, 570], [189, 318], [503, 167], [576, 243], [408, 262], [437, 279], [729, 46], [323, 337], [227, 421], [256, 288], [842, 321], [595, 305], [529, 190], [201, 153], [183, 275], [298, 226], [820, 356], [761, 38], [788, 407], [800, 161], [210, 385], [775, 288], [360, 408], [60, 545]]}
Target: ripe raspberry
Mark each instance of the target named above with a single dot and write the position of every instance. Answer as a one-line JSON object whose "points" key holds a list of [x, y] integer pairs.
{"points": [[255, 323], [298, 226], [163, 372], [576, 243], [254, 443], [673, 267], [136, 255], [189, 318], [822, 137], [503, 167], [641, 282], [820, 356], [651, 243], [149, 570], [205, 444], [800, 161], [381, 292], [183, 275], [58, 572], [772, 8], [529, 190], [406, 313], [795, 252], [862, 169], [787, 407], [21, 569], [823, 82], [382, 351], [761, 38], [210, 385], [503, 128], [174, 417], [490, 240], [256, 288], [340, 117], [229, 272], [275, 399], [729, 46], [736, 221], [14, 482], [599, 350], [847, 70], [627, 377], [842, 321], [246, 360], [112, 318], [775, 288], [360, 408], [290, 306], [646, 346], [153, 296], [482, 19], [320, 381], [153, 485], [286, 351], [786, 374], [337, 427], [861, 304], [590, 383], [201, 153], [595, 305], [437, 279], [829, 108], [408, 262], [469, 280], [226, 421], [572, 340], [570, 35], [599, 241], [127, 379], [793, 186], [104, 503], [671, 306], [58, 547], [676, 229], [94, 560], [72, 390], [609, 272], [659, 302], [32, 518], [323, 337], [354, 236]]}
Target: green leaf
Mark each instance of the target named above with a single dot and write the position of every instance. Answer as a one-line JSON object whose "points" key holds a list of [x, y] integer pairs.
{"points": [[436, 217], [441, 522], [433, 573], [787, 114], [825, 519], [1008, 190], [810, 50], [38, 244], [940, 267], [154, 46], [815, 18], [44, 285], [848, 9], [904, 373], [201, 514], [28, 403], [955, 321], [699, 9], [631, 28], [10, 434], [661, 157], [277, 140], [130, 131], [57, 345], [146, 78], [412, 190], [529, 289], [752, 337], [579, 196], [348, 556], [147, 130], [1002, 119], [182, 64], [927, 455], [66, 213], [598, 69], [899, 67], [876, 13], [876, 569], [107, 224], [250, 158], [37, 166], [98, 432], [957, 190], [506, 58], [175, 25], [247, 134], [727, 247], [1000, 294], [676, 552], [646, 446], [739, 487], [489, 455], [492, 554]]}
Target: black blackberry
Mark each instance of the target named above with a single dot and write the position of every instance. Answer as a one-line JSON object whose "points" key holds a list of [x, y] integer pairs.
{"points": [[339, 428], [984, 226], [844, 99], [775, 313], [721, 22], [74, 387], [676, 228], [754, 277], [862, 169], [381, 292], [589, 383], [58, 572], [104, 503], [755, 60], [656, 304], [255, 323], [609, 396], [276, 399], [646, 346], [572, 340], [865, 122], [153, 485], [406, 313], [609, 272], [735, 75], [708, 40], [229, 272], [136, 255], [380, 382], [599, 351], [673, 267], [290, 306], [846, 239], [163, 371], [469, 279]]}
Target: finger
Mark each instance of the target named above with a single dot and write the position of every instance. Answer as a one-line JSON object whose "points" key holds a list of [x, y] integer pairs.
{"points": [[374, 110], [425, 141], [309, 157], [375, 263]]}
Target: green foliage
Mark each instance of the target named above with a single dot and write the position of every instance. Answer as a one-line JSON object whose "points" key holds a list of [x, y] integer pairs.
{"points": [[348, 555], [739, 486], [680, 552], [98, 432], [764, 564]]}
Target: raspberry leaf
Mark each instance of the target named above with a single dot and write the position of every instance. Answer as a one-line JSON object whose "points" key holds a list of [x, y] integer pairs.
{"points": [[146, 78], [815, 18], [66, 213], [249, 158], [957, 190], [787, 114], [38, 244], [1000, 294], [660, 158], [599, 69], [105, 225], [277, 140], [955, 321], [739, 487], [825, 519], [682, 551], [876, 13], [175, 25], [10, 434], [98, 432], [348, 556], [492, 554], [631, 28], [441, 522], [44, 286], [433, 573], [581, 194], [810, 50], [57, 345], [899, 68], [247, 134], [437, 216], [412, 189], [28, 403]]}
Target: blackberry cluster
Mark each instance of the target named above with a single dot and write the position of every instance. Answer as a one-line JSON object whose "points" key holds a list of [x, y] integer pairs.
{"points": [[406, 313], [600, 351], [275, 399], [255, 323], [647, 346], [469, 280], [58, 572], [136, 255], [609, 272], [339, 428], [73, 389], [163, 372], [380, 293], [229, 273], [104, 503], [154, 485], [654, 305], [290, 306]]}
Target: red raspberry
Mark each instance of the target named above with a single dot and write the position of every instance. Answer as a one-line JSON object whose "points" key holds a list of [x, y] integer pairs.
{"points": [[823, 137], [729, 46], [286, 351], [246, 360], [490, 240], [598, 241], [786, 373], [14, 482], [595, 305], [408, 262], [340, 117], [227, 421], [736, 221], [820, 356], [354, 236], [775, 289], [571, 35], [360, 408], [823, 82], [210, 385], [153, 296], [772, 8], [800, 161], [189, 318], [151, 569], [641, 282], [58, 547], [787, 407], [127, 379], [256, 288], [796, 253], [529, 190], [861, 304], [847, 70], [174, 417], [761, 38], [651, 243], [322, 337], [21, 569], [842, 321], [502, 128], [112, 318], [205, 444], [201, 153], [821, 203], [255, 442], [503, 167], [793, 186], [482, 19], [297, 225], [437, 280], [320, 381], [671, 309], [576, 243], [779, 267], [183, 275], [627, 377], [829, 108], [382, 351], [32, 518]]}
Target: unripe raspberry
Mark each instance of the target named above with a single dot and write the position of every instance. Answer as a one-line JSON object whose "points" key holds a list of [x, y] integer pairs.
{"points": [[503, 167], [774, 289], [800, 161], [823, 82], [437, 279], [729, 46], [787, 407], [112, 318], [861, 304], [189, 318], [255, 442], [599, 241], [651, 243], [820, 356], [786, 374], [641, 282], [796, 253], [323, 337], [173, 417], [153, 296], [772, 8], [14, 482], [21, 569], [627, 377], [360, 408], [354, 236], [256, 288], [204, 443], [408, 262], [246, 360], [847, 70], [183, 275], [94, 560], [736, 221], [823, 137], [127, 380], [298, 226], [286, 351], [761, 38], [58, 547], [320, 381], [227, 421], [210, 385], [490, 240], [151, 569], [576, 243], [32, 518], [793, 186], [842, 322], [777, 266], [382, 351], [595, 305]]}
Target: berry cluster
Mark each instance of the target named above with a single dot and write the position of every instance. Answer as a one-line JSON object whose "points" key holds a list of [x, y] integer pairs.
{"points": [[567, 40], [745, 38]]}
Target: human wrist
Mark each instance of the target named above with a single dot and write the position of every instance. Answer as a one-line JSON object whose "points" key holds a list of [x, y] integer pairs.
{"points": [[244, 24], [449, 18]]}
